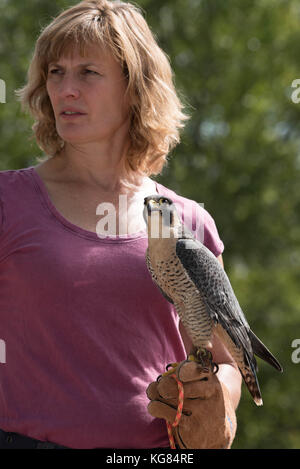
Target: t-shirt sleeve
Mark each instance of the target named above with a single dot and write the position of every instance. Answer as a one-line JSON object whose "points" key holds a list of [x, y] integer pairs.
{"points": [[1, 212], [197, 220], [206, 230], [212, 239]]}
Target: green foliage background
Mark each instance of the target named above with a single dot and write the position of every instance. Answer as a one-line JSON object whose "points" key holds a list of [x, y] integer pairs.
{"points": [[234, 63]]}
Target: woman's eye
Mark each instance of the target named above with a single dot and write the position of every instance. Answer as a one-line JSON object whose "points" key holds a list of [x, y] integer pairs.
{"points": [[56, 71], [87, 72]]}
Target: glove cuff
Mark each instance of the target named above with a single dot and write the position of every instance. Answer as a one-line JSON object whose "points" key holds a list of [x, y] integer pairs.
{"points": [[230, 416]]}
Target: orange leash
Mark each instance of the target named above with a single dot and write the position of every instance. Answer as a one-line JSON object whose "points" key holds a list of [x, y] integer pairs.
{"points": [[179, 412]]}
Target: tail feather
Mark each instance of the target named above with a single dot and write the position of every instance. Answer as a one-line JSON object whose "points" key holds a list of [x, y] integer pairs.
{"points": [[262, 352], [249, 376]]}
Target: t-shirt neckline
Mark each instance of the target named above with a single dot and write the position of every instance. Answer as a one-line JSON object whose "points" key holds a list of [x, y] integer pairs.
{"points": [[75, 228]]}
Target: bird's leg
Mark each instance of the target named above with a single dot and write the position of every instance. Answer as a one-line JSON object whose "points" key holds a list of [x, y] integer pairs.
{"points": [[199, 355], [204, 358]]}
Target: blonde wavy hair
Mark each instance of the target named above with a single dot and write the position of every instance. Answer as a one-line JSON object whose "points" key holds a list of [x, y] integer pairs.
{"points": [[156, 110]]}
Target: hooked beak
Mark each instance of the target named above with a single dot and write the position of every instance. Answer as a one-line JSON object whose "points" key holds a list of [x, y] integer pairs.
{"points": [[150, 205]]}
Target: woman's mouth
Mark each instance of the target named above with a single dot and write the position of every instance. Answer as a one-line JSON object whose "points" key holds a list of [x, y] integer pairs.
{"points": [[71, 114]]}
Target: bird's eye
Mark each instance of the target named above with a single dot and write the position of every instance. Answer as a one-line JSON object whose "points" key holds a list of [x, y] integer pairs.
{"points": [[163, 201]]}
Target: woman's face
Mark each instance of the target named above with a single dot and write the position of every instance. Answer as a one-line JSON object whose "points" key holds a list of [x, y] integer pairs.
{"points": [[88, 97]]}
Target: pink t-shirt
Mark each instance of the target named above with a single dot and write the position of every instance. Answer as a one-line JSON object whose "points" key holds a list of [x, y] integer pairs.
{"points": [[84, 326]]}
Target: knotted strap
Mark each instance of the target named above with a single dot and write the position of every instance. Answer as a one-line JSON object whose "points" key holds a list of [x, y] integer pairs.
{"points": [[179, 412]]}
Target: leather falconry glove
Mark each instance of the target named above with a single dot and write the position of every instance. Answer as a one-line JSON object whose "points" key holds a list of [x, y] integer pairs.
{"points": [[208, 419]]}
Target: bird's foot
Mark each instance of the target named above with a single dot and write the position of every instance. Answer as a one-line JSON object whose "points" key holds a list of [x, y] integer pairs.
{"points": [[204, 358], [199, 355]]}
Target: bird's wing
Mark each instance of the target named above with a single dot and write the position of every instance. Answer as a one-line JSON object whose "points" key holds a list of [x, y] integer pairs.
{"points": [[154, 278], [213, 284], [222, 305]]}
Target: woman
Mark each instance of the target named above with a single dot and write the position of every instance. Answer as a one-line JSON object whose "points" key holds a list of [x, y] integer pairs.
{"points": [[85, 328]]}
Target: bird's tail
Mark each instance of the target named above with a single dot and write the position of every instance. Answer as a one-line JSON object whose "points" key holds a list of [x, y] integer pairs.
{"points": [[249, 370], [262, 352], [248, 373]]}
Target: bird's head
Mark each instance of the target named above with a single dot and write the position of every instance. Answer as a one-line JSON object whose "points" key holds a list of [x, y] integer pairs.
{"points": [[161, 217]]}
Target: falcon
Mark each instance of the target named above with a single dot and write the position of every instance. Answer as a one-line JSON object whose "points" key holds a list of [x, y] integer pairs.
{"points": [[190, 277]]}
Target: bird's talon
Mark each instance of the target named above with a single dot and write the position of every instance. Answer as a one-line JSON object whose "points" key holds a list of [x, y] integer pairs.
{"points": [[205, 359], [173, 367]]}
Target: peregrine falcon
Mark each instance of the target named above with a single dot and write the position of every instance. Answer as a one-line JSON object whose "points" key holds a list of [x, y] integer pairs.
{"points": [[190, 277]]}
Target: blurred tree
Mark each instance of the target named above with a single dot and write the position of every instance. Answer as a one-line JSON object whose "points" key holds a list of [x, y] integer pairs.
{"points": [[234, 64]]}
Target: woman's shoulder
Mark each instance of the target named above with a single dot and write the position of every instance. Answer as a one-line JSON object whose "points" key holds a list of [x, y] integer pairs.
{"points": [[177, 198], [10, 176], [196, 218], [17, 187], [186, 207]]}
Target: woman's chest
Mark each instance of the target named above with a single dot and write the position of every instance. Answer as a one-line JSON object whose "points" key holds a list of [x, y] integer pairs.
{"points": [[92, 211]]}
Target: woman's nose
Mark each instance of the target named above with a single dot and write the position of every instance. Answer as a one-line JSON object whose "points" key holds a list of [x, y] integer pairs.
{"points": [[69, 87]]}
